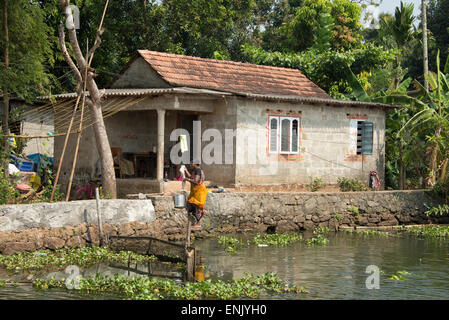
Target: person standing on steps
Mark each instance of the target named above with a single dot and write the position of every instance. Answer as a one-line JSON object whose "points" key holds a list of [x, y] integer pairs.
{"points": [[198, 193]]}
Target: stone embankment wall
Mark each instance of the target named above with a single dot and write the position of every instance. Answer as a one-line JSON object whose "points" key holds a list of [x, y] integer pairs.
{"points": [[52, 226]]}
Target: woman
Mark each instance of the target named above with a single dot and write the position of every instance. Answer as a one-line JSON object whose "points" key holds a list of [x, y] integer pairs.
{"points": [[198, 193]]}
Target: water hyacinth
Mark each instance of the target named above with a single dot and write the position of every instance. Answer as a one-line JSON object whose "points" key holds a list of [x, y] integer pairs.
{"points": [[276, 239], [429, 231], [140, 288], [60, 258]]}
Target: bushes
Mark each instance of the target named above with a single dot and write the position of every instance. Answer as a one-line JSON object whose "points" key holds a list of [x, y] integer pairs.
{"points": [[442, 188], [351, 185]]}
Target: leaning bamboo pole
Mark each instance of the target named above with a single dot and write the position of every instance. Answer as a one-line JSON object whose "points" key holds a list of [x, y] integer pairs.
{"points": [[75, 156], [63, 149]]}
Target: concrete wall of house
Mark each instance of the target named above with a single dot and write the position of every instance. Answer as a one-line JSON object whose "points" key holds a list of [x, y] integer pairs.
{"points": [[86, 162], [34, 123], [37, 123], [139, 75], [219, 170], [325, 144], [136, 131]]}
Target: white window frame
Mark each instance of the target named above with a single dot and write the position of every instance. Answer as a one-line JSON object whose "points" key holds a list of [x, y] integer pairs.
{"points": [[269, 134], [279, 134]]}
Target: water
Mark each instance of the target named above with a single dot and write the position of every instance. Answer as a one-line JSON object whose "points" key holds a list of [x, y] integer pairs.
{"points": [[335, 271]]}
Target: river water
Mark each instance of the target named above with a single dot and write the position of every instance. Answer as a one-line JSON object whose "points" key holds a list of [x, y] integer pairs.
{"points": [[334, 271]]}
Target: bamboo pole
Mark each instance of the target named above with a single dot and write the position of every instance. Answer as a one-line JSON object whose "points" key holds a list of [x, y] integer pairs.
{"points": [[75, 156], [63, 149]]}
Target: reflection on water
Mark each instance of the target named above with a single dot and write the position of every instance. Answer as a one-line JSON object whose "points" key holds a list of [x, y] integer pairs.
{"points": [[335, 271]]}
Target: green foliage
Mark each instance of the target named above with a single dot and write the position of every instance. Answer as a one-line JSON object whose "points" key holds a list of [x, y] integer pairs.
{"points": [[318, 239], [337, 21], [327, 69], [338, 217], [441, 188], [374, 232], [231, 243], [400, 275], [8, 194], [31, 42], [428, 231], [60, 258], [140, 288], [316, 184], [276, 239], [321, 230], [347, 184], [439, 210]]}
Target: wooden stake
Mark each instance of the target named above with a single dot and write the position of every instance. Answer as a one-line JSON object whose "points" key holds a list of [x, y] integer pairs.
{"points": [[100, 226], [189, 253]]}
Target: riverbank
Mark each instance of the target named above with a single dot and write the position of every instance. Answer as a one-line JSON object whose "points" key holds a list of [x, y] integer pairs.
{"points": [[66, 224]]}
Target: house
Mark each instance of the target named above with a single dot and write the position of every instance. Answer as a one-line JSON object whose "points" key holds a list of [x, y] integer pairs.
{"points": [[248, 125], [30, 121]]}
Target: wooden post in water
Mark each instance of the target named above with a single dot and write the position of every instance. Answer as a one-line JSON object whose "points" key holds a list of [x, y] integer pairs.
{"points": [[189, 253]]}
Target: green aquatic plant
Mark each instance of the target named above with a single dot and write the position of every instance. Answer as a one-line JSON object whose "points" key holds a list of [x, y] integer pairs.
{"points": [[4, 283], [142, 288], [374, 232], [400, 275], [318, 239], [60, 258], [231, 243], [276, 239], [321, 230], [428, 231]]}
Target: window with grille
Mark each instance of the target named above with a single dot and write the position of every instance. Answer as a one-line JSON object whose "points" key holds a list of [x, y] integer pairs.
{"points": [[364, 138], [284, 135]]}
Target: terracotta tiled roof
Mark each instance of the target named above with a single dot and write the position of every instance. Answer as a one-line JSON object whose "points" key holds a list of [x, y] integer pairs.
{"points": [[179, 70]]}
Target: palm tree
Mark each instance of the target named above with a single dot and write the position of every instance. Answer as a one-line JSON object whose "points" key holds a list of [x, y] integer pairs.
{"points": [[398, 30]]}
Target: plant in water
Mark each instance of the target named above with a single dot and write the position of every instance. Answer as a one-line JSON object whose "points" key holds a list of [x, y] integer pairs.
{"points": [[231, 243], [430, 231], [321, 230], [318, 239], [374, 232], [276, 239], [400, 275], [60, 258], [142, 288]]}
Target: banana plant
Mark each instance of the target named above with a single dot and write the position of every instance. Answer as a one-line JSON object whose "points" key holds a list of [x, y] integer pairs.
{"points": [[401, 146], [434, 117]]}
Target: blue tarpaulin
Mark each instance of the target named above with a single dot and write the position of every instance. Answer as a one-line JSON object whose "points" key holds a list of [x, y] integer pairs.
{"points": [[41, 159]]}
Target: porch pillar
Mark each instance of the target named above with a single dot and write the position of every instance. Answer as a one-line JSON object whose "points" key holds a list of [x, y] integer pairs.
{"points": [[160, 143]]}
